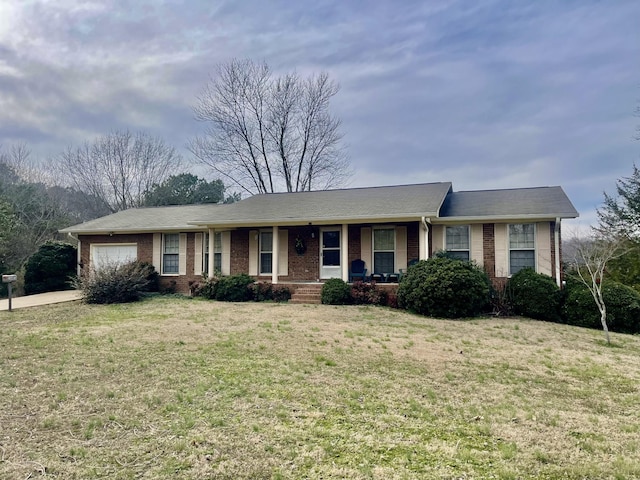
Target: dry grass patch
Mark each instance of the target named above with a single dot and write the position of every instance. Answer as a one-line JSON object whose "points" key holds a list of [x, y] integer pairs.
{"points": [[177, 388]]}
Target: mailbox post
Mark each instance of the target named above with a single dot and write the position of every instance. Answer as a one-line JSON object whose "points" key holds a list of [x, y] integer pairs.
{"points": [[9, 279]]}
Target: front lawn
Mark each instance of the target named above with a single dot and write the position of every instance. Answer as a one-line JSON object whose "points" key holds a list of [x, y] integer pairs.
{"points": [[174, 388]]}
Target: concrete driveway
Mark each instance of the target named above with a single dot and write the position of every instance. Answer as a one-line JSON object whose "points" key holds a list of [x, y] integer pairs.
{"points": [[40, 299]]}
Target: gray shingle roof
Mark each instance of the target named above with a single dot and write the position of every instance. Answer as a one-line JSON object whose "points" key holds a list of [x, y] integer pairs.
{"points": [[152, 219], [537, 202], [373, 203]]}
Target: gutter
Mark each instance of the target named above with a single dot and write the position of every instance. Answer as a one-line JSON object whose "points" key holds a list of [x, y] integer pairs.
{"points": [[484, 218], [556, 237]]}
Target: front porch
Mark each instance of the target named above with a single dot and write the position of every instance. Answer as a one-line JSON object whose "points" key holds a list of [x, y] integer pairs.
{"points": [[293, 254]]}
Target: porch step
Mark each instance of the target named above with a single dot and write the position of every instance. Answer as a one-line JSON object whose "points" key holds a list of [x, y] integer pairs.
{"points": [[307, 294]]}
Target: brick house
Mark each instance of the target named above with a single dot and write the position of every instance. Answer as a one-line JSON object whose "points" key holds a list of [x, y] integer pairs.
{"points": [[294, 238]]}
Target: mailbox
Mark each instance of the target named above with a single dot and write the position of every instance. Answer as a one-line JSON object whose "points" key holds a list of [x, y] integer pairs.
{"points": [[9, 278]]}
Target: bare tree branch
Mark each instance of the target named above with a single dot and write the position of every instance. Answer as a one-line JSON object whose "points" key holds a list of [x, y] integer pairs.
{"points": [[591, 255], [120, 167], [267, 133]]}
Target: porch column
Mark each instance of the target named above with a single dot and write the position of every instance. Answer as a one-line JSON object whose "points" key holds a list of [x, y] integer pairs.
{"points": [[212, 234], [423, 240], [344, 252], [275, 255]]}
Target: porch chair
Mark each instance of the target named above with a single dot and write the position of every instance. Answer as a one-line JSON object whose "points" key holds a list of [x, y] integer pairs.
{"points": [[357, 270]]}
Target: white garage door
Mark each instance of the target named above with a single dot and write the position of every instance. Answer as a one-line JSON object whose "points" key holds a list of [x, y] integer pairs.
{"points": [[114, 254]]}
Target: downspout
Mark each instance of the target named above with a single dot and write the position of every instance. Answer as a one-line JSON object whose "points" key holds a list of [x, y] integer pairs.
{"points": [[425, 223], [556, 238], [78, 254]]}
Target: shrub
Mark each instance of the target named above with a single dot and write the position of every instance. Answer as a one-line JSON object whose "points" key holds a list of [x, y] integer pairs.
{"points": [[234, 288], [335, 291], [444, 287], [622, 302], [281, 294], [151, 275], [205, 288], [499, 299], [534, 295], [262, 291], [51, 268], [367, 294], [116, 283]]}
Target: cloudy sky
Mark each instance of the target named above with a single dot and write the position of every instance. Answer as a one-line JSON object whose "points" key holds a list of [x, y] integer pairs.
{"points": [[485, 94]]}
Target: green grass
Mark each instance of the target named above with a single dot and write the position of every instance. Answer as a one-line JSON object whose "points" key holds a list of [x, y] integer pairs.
{"points": [[173, 388]]}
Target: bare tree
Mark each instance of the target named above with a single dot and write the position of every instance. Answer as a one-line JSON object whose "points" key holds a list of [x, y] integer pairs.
{"points": [[267, 133], [120, 167], [23, 166], [590, 258]]}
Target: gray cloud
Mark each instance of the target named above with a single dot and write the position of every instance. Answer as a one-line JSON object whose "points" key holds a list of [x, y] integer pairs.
{"points": [[486, 94]]}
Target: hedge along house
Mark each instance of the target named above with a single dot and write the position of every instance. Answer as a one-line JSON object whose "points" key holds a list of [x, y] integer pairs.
{"points": [[303, 237]]}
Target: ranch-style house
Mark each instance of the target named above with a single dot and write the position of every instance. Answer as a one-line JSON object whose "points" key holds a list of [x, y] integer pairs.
{"points": [[307, 237]]}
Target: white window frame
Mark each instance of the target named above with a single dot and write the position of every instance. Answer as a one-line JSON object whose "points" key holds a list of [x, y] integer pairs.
{"points": [[374, 250], [534, 249], [265, 252], [454, 250], [165, 253]]}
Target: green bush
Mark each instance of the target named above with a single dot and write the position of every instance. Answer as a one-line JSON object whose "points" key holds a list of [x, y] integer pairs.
{"points": [[234, 288], [335, 291], [622, 303], [151, 275], [444, 287], [51, 268], [116, 283], [534, 295]]}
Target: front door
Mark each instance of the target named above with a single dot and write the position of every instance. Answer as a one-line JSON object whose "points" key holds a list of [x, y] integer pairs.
{"points": [[330, 254]]}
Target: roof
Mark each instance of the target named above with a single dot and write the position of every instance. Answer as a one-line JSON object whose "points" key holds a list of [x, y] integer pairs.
{"points": [[333, 206], [151, 219], [350, 205], [537, 202]]}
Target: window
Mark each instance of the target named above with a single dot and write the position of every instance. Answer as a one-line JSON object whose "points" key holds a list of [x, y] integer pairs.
{"points": [[522, 249], [171, 253], [457, 242], [217, 252], [266, 252], [384, 250]]}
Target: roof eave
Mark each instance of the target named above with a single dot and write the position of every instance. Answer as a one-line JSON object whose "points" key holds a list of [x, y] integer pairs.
{"points": [[410, 217], [533, 216], [120, 231]]}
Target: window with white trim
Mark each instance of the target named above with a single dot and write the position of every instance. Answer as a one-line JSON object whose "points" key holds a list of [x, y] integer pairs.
{"points": [[384, 250], [522, 247], [217, 252], [266, 252], [171, 253], [457, 242]]}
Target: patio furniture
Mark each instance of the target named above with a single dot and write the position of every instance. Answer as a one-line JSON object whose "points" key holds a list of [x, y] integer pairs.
{"points": [[358, 270], [378, 277]]}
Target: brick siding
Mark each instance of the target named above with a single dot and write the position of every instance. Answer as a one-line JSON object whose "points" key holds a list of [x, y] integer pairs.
{"points": [[489, 250]]}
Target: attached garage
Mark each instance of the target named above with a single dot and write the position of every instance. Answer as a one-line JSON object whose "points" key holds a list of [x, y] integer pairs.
{"points": [[113, 254]]}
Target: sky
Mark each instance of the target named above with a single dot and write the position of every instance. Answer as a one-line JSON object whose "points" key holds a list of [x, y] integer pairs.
{"points": [[485, 94]]}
